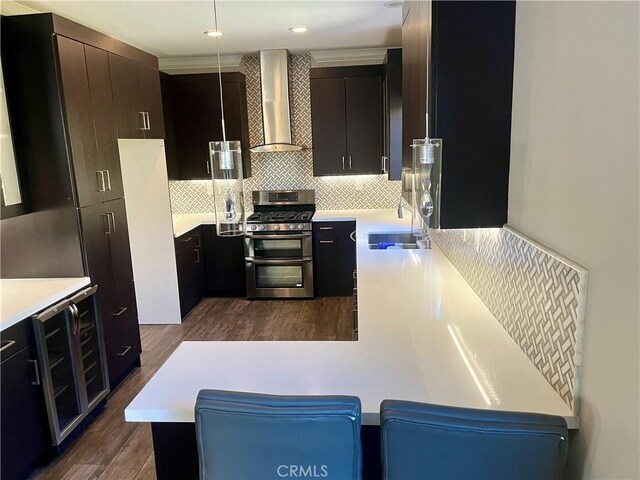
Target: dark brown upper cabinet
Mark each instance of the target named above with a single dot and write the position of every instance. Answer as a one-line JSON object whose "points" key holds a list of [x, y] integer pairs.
{"points": [[347, 120], [457, 66], [104, 120], [90, 121], [73, 78], [137, 99], [79, 119], [193, 119], [392, 88]]}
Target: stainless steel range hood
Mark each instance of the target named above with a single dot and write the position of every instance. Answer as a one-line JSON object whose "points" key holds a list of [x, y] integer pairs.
{"points": [[276, 113]]}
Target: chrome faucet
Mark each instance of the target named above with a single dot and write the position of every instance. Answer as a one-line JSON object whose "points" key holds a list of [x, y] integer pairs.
{"points": [[401, 206]]}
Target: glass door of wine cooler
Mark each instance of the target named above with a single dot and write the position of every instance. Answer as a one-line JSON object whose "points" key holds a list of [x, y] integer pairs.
{"points": [[89, 336], [72, 358], [56, 348]]}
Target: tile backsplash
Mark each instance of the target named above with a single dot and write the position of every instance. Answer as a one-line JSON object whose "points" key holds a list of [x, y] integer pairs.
{"points": [[290, 169], [537, 295]]}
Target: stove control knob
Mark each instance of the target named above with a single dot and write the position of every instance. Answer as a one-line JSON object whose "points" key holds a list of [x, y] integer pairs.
{"points": [[277, 227], [253, 227], [300, 226], [292, 227], [261, 227]]}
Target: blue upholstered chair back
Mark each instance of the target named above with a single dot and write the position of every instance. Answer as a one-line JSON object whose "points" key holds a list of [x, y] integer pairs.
{"points": [[422, 441], [253, 436]]}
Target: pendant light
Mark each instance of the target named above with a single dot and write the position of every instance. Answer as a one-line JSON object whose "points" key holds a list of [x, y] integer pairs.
{"points": [[426, 159], [226, 171]]}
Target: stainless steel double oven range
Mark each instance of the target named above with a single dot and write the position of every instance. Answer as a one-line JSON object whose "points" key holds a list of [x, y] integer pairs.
{"points": [[279, 246]]}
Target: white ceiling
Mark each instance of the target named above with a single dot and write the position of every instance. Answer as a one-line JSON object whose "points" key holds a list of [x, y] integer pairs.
{"points": [[174, 28]]}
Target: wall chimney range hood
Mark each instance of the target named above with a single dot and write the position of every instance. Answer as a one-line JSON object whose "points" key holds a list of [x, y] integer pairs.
{"points": [[276, 112]]}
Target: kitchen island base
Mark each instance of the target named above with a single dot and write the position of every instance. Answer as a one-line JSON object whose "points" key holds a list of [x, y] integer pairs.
{"points": [[176, 451]]}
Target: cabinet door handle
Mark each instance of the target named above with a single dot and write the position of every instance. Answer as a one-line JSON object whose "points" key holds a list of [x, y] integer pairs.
{"points": [[146, 114], [197, 250], [352, 235], [113, 221], [143, 121], [37, 372], [350, 162], [326, 228], [343, 162], [120, 312], [125, 351], [384, 164], [326, 241], [106, 223], [100, 180], [6, 344], [208, 168], [108, 175]]}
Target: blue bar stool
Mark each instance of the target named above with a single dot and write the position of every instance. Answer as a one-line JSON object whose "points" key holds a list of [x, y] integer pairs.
{"points": [[423, 441], [254, 436]]}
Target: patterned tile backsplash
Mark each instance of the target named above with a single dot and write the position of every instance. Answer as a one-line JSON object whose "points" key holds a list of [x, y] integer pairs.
{"points": [[290, 169], [537, 295]]}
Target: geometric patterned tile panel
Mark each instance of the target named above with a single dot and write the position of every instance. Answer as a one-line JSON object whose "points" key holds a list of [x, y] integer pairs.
{"points": [[290, 169], [538, 296]]}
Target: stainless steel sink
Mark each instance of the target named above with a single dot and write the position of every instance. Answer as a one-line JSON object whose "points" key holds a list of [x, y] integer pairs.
{"points": [[404, 240]]}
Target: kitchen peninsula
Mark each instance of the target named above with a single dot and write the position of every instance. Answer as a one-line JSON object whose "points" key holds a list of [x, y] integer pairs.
{"points": [[423, 335]]}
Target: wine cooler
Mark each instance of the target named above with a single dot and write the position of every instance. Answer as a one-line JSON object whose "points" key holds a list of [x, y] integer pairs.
{"points": [[72, 361]]}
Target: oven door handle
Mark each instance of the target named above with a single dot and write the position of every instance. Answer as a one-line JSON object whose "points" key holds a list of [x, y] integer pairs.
{"points": [[278, 236], [275, 261]]}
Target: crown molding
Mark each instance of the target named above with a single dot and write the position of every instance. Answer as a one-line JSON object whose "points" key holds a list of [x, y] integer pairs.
{"points": [[348, 57], [208, 64]]}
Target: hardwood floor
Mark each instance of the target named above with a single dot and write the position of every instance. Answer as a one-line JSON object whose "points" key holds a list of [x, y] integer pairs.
{"points": [[114, 449]]}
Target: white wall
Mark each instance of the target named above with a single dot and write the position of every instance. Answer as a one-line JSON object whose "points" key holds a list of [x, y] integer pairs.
{"points": [[146, 195], [574, 187]]}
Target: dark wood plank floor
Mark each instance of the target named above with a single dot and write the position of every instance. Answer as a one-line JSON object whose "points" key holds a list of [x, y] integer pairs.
{"points": [[114, 449]]}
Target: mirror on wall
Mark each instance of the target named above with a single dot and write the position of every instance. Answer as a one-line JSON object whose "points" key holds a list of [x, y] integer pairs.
{"points": [[12, 198]]}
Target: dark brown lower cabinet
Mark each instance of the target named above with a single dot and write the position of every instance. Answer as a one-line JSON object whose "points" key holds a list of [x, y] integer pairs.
{"points": [[334, 258], [108, 256], [190, 265], [209, 266], [23, 418], [122, 334], [224, 264], [106, 240]]}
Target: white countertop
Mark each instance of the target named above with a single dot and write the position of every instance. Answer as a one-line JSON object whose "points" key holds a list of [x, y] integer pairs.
{"points": [[184, 222], [22, 297], [424, 335], [339, 215]]}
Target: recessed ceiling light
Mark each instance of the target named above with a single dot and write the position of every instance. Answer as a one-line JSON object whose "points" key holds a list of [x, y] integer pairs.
{"points": [[393, 3], [213, 33], [299, 29]]}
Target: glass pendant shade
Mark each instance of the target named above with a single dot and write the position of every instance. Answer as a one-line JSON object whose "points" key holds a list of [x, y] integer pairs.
{"points": [[427, 154], [228, 190]]}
